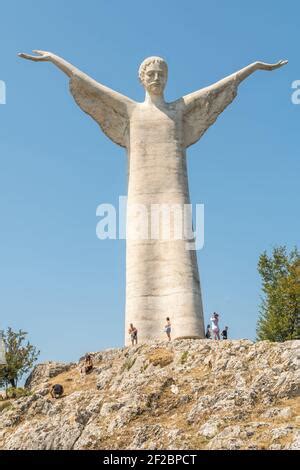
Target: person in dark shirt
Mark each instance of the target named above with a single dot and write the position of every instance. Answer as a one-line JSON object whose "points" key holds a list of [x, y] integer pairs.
{"points": [[208, 332], [225, 333], [57, 391]]}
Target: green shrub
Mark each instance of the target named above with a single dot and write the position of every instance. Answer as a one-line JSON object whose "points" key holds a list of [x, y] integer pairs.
{"points": [[144, 366], [184, 357], [17, 392], [128, 364], [4, 405]]}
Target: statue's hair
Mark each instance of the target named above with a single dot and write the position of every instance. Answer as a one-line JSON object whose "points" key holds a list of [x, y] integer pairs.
{"points": [[151, 60]]}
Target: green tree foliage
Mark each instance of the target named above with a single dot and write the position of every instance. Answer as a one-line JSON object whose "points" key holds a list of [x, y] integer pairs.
{"points": [[280, 308], [20, 357]]}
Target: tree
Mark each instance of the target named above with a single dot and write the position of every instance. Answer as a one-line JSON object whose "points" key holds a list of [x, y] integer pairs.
{"points": [[20, 357], [280, 308]]}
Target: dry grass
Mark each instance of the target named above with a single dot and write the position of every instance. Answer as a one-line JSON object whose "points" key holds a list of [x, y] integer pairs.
{"points": [[74, 381], [5, 404], [161, 357]]}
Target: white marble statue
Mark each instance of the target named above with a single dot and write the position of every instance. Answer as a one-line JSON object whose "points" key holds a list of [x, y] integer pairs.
{"points": [[162, 277]]}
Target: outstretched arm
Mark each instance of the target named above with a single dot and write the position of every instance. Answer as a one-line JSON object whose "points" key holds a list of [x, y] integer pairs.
{"points": [[234, 79], [246, 71], [71, 71], [44, 56], [110, 109], [201, 108]]}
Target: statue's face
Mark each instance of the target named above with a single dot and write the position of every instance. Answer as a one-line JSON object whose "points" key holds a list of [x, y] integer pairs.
{"points": [[155, 79]]}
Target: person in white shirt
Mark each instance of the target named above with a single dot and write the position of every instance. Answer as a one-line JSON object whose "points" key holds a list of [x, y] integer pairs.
{"points": [[215, 325]]}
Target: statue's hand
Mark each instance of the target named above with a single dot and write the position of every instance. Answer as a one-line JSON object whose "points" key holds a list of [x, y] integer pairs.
{"points": [[264, 66], [42, 56]]}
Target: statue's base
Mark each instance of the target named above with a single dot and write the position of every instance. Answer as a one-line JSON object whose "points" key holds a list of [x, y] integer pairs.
{"points": [[188, 337]]}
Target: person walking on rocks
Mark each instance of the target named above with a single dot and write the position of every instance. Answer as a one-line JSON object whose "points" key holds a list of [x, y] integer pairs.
{"points": [[88, 364], [168, 328], [133, 334], [57, 391], [215, 325]]}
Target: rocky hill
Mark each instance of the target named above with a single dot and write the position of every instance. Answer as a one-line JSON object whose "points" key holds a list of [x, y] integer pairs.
{"points": [[188, 394]]}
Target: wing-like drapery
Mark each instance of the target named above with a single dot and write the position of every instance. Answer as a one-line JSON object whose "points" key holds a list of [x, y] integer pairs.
{"points": [[202, 107], [107, 107]]}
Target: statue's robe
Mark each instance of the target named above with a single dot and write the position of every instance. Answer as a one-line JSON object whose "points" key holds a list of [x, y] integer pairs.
{"points": [[161, 275]]}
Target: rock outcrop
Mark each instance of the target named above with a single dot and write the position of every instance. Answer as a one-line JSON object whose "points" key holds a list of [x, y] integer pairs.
{"points": [[47, 370], [188, 394]]}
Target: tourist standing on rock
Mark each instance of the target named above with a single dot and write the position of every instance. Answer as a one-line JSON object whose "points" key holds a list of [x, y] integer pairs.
{"points": [[133, 333], [215, 325], [168, 328], [208, 332], [225, 333], [88, 364]]}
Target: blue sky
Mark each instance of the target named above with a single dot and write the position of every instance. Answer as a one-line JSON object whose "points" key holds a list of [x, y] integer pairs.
{"points": [[58, 281]]}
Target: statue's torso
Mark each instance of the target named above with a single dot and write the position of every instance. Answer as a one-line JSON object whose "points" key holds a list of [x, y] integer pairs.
{"points": [[157, 154]]}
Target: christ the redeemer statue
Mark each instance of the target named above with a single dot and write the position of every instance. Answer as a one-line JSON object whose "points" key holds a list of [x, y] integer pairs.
{"points": [[162, 277]]}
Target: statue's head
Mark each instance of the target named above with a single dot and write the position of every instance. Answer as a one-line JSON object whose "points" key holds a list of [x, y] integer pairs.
{"points": [[153, 74]]}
